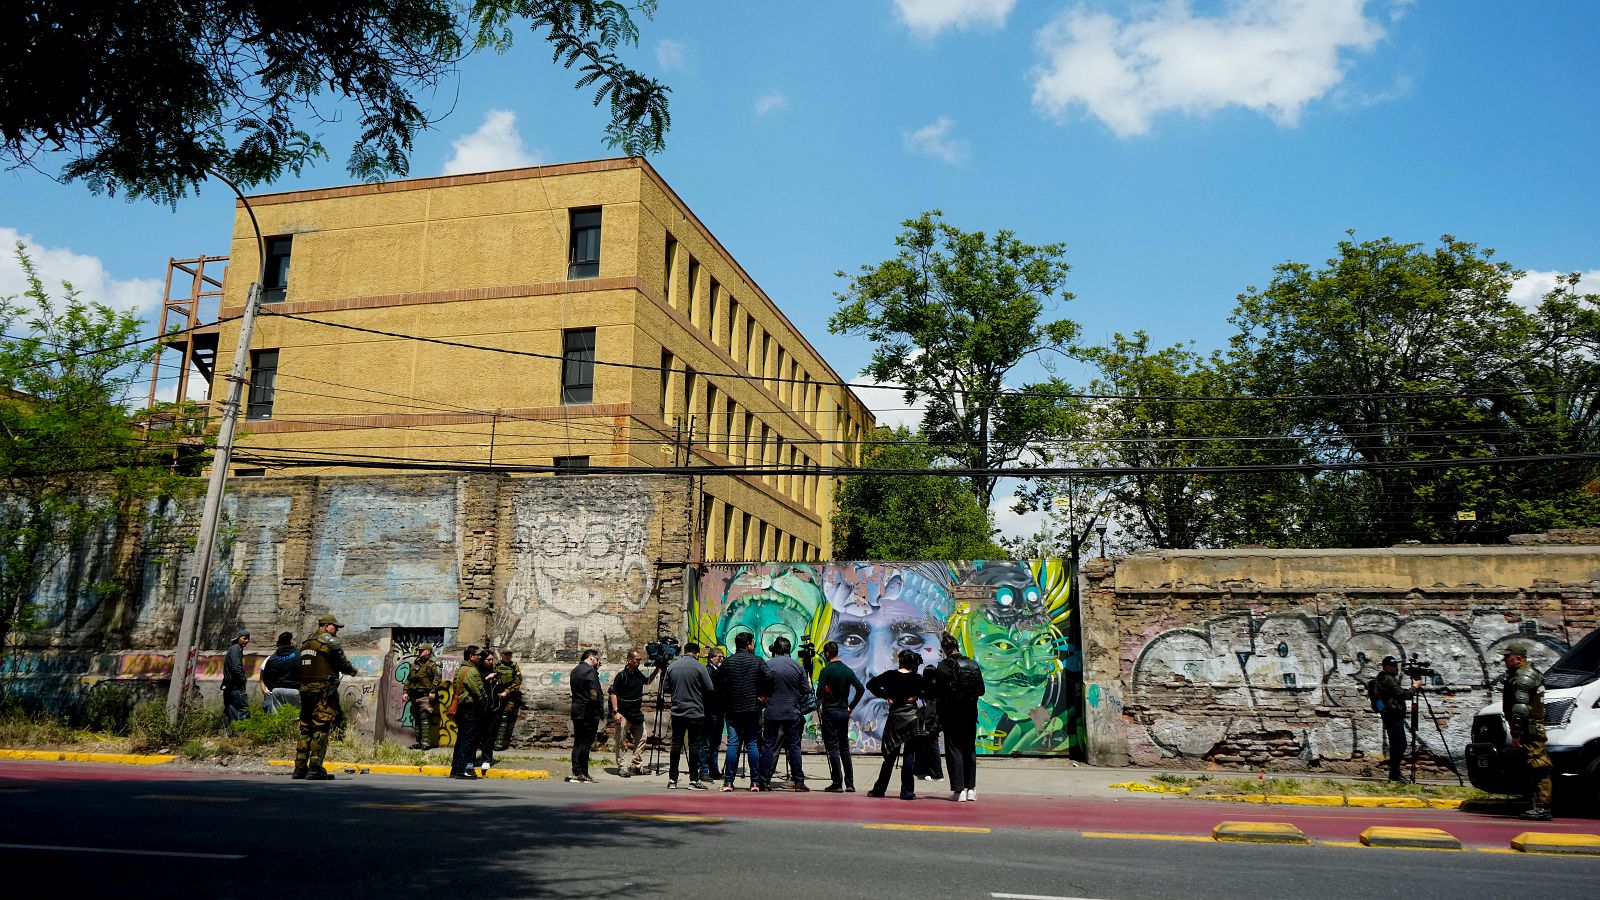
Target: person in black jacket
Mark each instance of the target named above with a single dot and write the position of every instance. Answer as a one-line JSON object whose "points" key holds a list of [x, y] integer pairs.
{"points": [[280, 675], [928, 745], [716, 717], [902, 688], [960, 685], [736, 686], [235, 702], [586, 702]]}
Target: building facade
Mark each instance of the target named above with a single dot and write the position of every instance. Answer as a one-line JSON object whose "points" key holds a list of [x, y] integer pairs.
{"points": [[557, 318]]}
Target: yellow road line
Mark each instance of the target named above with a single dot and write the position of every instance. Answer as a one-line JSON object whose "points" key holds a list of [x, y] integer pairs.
{"points": [[896, 826], [1138, 836]]}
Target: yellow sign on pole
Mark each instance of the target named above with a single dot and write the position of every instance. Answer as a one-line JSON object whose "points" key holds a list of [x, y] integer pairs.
{"points": [[1467, 515]]}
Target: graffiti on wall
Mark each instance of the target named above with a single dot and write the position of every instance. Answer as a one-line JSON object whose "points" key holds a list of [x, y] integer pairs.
{"points": [[386, 555], [1012, 617], [397, 723], [1247, 687], [577, 566]]}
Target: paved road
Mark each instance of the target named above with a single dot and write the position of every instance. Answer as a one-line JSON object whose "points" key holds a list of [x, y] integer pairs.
{"points": [[86, 830]]}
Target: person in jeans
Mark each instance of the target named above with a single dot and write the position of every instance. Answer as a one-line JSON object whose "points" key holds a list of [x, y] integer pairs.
{"points": [[585, 683], [626, 699], [901, 688], [738, 686], [834, 699], [711, 737], [786, 681], [688, 682], [472, 705], [960, 686], [280, 675]]}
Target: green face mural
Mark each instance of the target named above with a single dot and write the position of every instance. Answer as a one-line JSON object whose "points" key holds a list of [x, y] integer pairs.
{"points": [[1012, 617]]}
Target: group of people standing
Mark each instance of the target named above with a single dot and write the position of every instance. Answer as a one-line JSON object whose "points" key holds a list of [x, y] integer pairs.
{"points": [[761, 707], [485, 698]]}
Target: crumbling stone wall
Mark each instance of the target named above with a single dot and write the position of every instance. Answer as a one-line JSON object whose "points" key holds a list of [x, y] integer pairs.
{"points": [[1258, 659], [546, 567]]}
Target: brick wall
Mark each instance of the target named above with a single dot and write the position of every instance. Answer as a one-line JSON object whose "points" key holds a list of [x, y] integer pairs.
{"points": [[1257, 659]]}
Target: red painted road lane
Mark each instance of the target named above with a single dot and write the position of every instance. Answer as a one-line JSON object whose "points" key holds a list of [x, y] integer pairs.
{"points": [[1125, 816], [13, 772]]}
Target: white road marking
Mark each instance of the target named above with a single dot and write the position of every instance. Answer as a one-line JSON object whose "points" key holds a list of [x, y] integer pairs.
{"points": [[177, 853]]}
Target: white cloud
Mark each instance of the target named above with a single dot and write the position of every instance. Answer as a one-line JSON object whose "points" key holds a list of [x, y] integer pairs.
{"points": [[1271, 56], [771, 101], [1532, 286], [926, 18], [934, 140], [86, 273], [495, 145], [1012, 524], [888, 405], [671, 56]]}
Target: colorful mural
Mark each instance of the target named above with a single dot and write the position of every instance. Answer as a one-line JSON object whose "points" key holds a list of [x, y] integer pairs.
{"points": [[1013, 617]]}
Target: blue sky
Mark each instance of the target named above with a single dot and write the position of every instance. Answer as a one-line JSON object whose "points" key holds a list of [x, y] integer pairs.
{"points": [[1179, 149]]}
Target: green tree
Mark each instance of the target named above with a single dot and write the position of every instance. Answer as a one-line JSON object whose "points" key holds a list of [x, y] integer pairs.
{"points": [[908, 517], [152, 97], [952, 315], [72, 460], [1393, 355]]}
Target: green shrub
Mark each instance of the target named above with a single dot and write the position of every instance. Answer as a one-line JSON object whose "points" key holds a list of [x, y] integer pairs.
{"points": [[148, 728], [107, 708], [263, 728]]}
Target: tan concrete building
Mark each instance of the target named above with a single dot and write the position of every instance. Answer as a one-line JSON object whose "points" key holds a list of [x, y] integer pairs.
{"points": [[631, 337]]}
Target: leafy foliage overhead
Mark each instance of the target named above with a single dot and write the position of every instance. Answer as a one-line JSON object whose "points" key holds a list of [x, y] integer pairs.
{"points": [[908, 517], [151, 97]]}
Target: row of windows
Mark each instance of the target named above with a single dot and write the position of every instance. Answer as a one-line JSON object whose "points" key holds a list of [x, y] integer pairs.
{"points": [[732, 534], [730, 326], [583, 254]]}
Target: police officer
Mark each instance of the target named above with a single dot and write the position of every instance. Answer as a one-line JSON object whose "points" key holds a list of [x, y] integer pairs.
{"points": [[1523, 705], [1393, 696], [508, 684], [322, 661], [422, 689]]}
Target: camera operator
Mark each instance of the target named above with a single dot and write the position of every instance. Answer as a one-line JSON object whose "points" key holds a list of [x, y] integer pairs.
{"points": [[688, 682], [1523, 705], [626, 700], [1393, 696]]}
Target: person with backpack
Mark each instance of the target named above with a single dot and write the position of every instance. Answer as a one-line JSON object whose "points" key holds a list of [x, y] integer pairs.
{"points": [[1389, 698], [960, 683]]}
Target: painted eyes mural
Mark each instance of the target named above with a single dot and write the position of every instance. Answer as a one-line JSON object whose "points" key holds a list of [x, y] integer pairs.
{"points": [[1013, 617]]}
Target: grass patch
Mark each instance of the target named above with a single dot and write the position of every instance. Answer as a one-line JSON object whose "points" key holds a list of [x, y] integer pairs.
{"points": [[1314, 787], [40, 731]]}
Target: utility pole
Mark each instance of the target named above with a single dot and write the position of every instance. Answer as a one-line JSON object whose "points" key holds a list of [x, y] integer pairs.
{"points": [[199, 579]]}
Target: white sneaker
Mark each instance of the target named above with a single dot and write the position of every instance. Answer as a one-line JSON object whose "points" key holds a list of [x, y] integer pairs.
{"points": [[484, 767], [971, 795], [957, 796], [672, 785]]}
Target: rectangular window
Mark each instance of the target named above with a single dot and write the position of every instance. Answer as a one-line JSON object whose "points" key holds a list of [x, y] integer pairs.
{"points": [[694, 311], [730, 550], [666, 382], [749, 438], [577, 365], [768, 367], [690, 382], [583, 258], [670, 267], [727, 423], [705, 525], [249, 473], [276, 288], [713, 327], [568, 465], [263, 382], [735, 344]]}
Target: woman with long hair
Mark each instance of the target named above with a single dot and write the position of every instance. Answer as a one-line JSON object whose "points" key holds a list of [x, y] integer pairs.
{"points": [[900, 688]]}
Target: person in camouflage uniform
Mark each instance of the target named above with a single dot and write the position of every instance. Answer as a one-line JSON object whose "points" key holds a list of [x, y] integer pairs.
{"points": [[422, 690], [322, 661], [1523, 705], [509, 685]]}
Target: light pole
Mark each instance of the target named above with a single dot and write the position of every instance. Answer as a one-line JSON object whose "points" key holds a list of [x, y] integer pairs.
{"points": [[1101, 530], [205, 541]]}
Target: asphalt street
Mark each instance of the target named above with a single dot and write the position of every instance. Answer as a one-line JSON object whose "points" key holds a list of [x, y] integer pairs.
{"points": [[87, 830]]}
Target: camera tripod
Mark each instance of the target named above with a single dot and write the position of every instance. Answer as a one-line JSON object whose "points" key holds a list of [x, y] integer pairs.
{"points": [[1416, 745]]}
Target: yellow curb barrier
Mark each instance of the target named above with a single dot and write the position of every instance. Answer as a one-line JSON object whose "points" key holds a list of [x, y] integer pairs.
{"points": [[1232, 798], [1387, 802], [1410, 838], [126, 759], [1310, 800], [1259, 833], [1444, 804], [1139, 787], [1556, 842], [434, 771]]}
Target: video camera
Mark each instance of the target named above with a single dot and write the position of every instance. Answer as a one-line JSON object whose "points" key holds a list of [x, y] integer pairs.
{"points": [[807, 652], [1419, 669], [662, 650]]}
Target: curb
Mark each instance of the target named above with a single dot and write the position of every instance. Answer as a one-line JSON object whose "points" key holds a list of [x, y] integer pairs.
{"points": [[1259, 833], [1332, 800], [1560, 843], [126, 759], [431, 771], [1410, 838]]}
